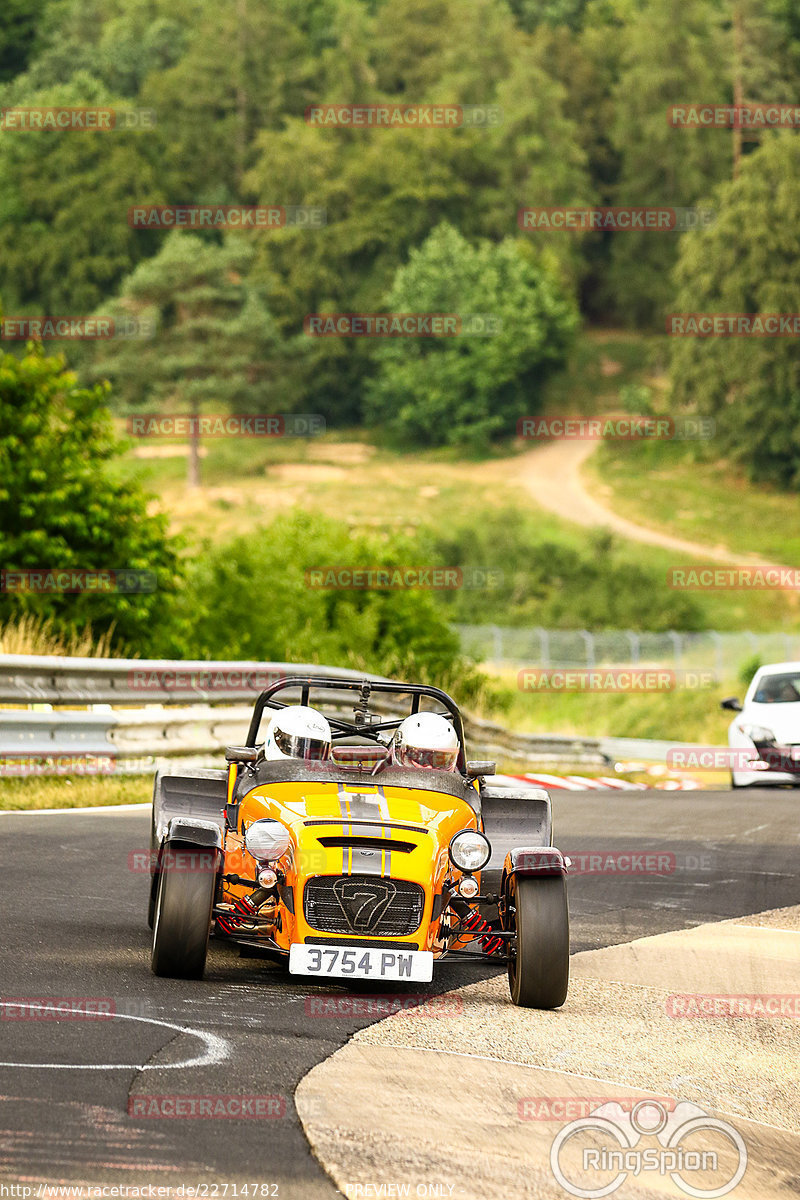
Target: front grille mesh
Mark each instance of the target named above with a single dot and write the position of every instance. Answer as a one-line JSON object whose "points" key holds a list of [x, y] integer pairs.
{"points": [[364, 905]]}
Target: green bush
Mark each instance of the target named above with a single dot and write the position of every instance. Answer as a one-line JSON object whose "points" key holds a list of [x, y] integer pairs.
{"points": [[61, 509], [251, 599], [543, 582], [470, 388]]}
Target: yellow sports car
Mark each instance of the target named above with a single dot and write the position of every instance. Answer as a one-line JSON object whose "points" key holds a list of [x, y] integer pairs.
{"points": [[350, 843]]}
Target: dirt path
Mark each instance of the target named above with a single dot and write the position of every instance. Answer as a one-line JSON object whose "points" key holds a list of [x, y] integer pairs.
{"points": [[551, 474]]}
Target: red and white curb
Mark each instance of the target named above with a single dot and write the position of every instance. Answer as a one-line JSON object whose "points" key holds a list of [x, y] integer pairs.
{"points": [[599, 783]]}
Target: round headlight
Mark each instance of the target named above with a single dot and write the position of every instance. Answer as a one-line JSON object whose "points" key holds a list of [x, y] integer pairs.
{"points": [[267, 840], [470, 850]]}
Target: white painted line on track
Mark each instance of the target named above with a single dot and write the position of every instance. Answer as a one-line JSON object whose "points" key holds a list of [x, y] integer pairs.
{"points": [[217, 1050], [49, 812]]}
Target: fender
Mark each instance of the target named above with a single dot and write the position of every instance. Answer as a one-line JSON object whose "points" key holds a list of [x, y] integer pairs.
{"points": [[528, 862], [194, 833], [524, 861], [188, 833]]}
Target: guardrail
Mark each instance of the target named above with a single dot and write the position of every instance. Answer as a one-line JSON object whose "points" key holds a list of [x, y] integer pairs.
{"points": [[133, 740], [48, 679]]}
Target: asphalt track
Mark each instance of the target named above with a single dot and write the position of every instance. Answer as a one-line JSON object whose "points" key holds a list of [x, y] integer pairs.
{"points": [[74, 927]]}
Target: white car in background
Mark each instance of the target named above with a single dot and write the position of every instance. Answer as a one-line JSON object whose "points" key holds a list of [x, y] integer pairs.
{"points": [[768, 724]]}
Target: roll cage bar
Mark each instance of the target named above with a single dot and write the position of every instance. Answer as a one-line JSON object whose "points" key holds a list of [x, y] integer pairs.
{"points": [[362, 725]]}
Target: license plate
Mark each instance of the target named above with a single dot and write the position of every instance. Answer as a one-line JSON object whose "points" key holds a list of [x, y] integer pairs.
{"points": [[356, 962]]}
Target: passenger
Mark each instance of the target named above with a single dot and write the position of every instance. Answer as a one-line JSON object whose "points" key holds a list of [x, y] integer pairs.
{"points": [[426, 740], [298, 732]]}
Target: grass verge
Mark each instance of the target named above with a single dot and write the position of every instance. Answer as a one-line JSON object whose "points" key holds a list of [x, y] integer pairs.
{"points": [[73, 792], [674, 488]]}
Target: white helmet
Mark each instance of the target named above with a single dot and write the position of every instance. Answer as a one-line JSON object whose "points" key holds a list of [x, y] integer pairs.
{"points": [[298, 732], [425, 739]]}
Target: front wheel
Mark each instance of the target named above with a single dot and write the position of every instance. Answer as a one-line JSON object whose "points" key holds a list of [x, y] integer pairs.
{"points": [[182, 921], [538, 964]]}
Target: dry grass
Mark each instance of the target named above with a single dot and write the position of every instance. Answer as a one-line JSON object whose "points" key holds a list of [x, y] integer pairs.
{"points": [[35, 635]]}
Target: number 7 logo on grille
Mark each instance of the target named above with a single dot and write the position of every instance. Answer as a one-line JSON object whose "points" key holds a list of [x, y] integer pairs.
{"points": [[363, 904]]}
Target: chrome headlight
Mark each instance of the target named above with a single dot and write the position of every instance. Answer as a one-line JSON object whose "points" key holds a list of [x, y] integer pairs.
{"points": [[758, 733], [469, 850], [267, 840]]}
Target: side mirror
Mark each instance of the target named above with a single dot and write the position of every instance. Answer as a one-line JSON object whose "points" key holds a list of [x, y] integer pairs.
{"points": [[479, 766], [732, 704], [241, 754]]}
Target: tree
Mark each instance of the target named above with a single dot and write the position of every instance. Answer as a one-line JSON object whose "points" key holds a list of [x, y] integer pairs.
{"points": [[64, 238], [62, 507], [470, 388], [213, 340], [385, 190], [673, 51], [18, 22], [747, 262]]}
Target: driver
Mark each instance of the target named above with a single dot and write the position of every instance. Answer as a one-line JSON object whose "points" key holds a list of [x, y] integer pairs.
{"points": [[425, 740], [298, 731]]}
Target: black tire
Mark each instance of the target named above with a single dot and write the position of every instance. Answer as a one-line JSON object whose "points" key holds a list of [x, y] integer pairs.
{"points": [[184, 901], [538, 966], [151, 908]]}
